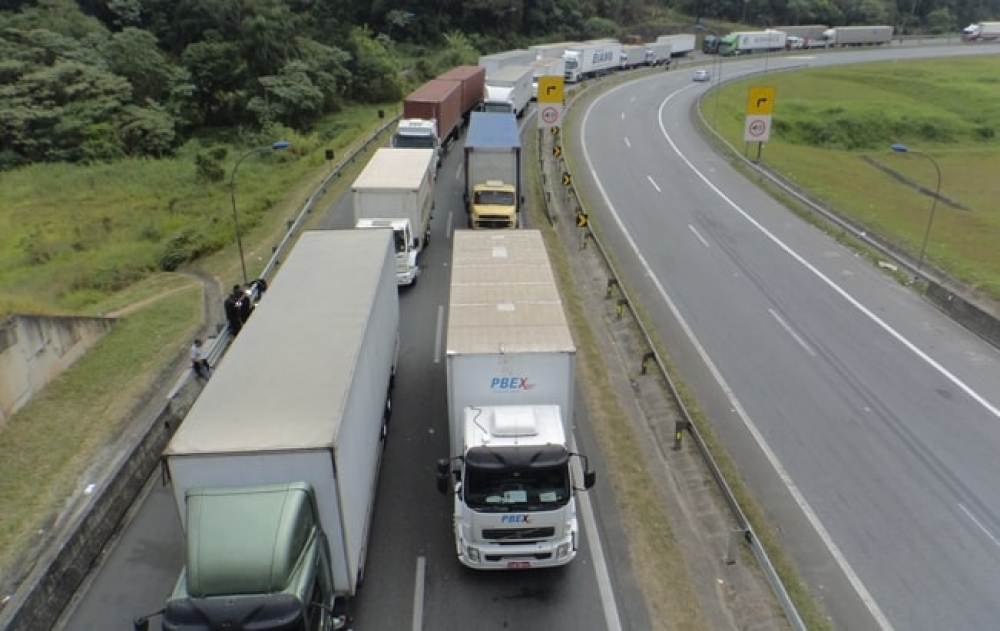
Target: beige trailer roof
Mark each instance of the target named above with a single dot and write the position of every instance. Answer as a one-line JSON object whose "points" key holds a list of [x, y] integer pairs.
{"points": [[284, 382], [395, 168], [504, 295]]}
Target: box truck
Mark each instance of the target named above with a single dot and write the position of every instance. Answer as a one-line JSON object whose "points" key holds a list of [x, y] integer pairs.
{"points": [[511, 472], [555, 50], [396, 191], [431, 116], [473, 82], [275, 467], [659, 53], [546, 67], [509, 90], [496, 61], [981, 32], [632, 56], [810, 34], [680, 44], [858, 36], [591, 59], [748, 42], [492, 170]]}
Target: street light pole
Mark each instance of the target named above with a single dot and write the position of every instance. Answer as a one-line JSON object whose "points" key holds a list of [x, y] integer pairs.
{"points": [[899, 148], [281, 144]]}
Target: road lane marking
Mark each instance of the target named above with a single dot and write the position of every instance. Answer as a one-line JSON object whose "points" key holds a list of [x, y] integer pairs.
{"points": [[418, 595], [438, 334], [623, 115], [788, 329], [653, 182], [704, 241], [627, 143], [989, 534], [800, 500], [448, 225]]}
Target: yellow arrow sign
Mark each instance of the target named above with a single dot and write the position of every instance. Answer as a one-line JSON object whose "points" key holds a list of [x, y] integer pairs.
{"points": [[557, 151], [550, 89], [581, 220], [567, 179], [760, 99]]}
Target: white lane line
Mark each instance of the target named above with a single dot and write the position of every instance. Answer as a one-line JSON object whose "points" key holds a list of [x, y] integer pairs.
{"points": [[796, 494], [628, 143], [704, 241], [418, 595], [791, 331], [438, 334], [653, 182], [611, 620], [448, 225], [989, 534]]}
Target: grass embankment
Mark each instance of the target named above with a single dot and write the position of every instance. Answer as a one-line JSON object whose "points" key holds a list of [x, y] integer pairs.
{"points": [[85, 240], [830, 124]]}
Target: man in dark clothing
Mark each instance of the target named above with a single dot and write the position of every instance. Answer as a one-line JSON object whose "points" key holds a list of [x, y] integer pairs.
{"points": [[234, 309]]}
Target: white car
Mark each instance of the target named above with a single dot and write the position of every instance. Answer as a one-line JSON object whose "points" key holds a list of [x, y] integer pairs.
{"points": [[701, 75]]}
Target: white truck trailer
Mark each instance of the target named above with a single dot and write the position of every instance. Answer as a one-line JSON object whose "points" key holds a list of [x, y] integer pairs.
{"points": [[509, 90], [632, 56], [858, 36], [496, 61], [396, 191], [591, 59], [680, 44], [981, 32], [659, 53], [275, 467], [546, 67], [749, 42], [511, 380]]}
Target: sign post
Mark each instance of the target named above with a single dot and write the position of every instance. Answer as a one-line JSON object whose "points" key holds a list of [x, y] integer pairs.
{"points": [[757, 123]]}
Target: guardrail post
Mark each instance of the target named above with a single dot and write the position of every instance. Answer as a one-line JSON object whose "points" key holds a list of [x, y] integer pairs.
{"points": [[732, 552]]}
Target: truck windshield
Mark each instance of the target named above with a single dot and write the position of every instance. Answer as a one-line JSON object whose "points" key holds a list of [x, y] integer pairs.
{"points": [[505, 108], [504, 489], [399, 238], [571, 63], [413, 142], [494, 198]]}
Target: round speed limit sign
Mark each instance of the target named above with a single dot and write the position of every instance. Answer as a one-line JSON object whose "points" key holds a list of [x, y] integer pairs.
{"points": [[550, 115]]}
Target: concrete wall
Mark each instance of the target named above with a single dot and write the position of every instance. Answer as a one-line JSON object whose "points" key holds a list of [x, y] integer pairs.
{"points": [[34, 350]]}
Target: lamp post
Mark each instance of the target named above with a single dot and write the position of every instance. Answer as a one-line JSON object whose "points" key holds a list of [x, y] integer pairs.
{"points": [[281, 144], [900, 148]]}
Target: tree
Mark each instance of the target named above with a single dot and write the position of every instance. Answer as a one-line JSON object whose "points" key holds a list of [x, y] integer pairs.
{"points": [[133, 53], [374, 74]]}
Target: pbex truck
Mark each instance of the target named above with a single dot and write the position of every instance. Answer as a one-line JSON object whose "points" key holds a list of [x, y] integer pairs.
{"points": [[274, 469], [512, 474]]}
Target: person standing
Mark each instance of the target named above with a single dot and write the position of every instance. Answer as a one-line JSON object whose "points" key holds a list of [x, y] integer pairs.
{"points": [[234, 309], [199, 360]]}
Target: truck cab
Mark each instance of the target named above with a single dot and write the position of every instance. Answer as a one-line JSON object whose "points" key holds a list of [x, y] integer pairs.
{"points": [[418, 133], [406, 246], [493, 205], [257, 558], [499, 99], [514, 489]]}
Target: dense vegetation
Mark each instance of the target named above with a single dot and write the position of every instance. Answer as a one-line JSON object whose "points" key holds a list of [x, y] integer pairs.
{"points": [[86, 80]]}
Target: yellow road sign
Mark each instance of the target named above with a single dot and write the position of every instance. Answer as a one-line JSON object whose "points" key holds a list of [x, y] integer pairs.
{"points": [[554, 130], [760, 100], [581, 220], [550, 89], [567, 179], [557, 151]]}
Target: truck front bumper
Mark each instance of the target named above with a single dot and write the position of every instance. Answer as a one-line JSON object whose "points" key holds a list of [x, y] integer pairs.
{"points": [[407, 277], [490, 556]]}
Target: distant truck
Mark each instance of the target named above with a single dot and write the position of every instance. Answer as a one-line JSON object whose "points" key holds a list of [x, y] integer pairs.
{"points": [[473, 81], [493, 170], [981, 32], [591, 59], [509, 90], [632, 56], [511, 382], [555, 50], [431, 117], [810, 34], [498, 61], [275, 467], [680, 44], [659, 53], [749, 42], [396, 191], [858, 36], [546, 67]]}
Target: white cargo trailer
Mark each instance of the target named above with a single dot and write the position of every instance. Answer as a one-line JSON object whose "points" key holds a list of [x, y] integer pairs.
{"points": [[591, 59], [632, 56], [858, 36], [658, 53], [981, 32], [551, 51], [508, 89], [302, 399], [546, 67], [496, 61], [396, 191], [511, 383], [681, 44]]}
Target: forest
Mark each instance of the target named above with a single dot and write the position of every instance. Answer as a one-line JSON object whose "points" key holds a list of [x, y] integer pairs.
{"points": [[97, 80]]}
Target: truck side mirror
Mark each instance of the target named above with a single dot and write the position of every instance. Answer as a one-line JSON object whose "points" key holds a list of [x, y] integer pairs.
{"points": [[589, 478], [443, 476]]}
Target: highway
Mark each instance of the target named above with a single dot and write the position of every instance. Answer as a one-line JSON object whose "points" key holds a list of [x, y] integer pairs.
{"points": [[412, 578], [864, 420]]}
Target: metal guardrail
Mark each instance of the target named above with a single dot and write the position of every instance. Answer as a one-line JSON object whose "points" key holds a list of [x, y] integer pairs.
{"points": [[220, 343], [745, 528]]}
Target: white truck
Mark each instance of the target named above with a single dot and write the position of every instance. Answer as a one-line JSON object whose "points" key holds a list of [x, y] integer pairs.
{"points": [[496, 61], [981, 32], [396, 191], [492, 170], [554, 50], [659, 53], [680, 44], [508, 90], [749, 42], [591, 59], [275, 467], [858, 36], [632, 56], [546, 67], [512, 472]]}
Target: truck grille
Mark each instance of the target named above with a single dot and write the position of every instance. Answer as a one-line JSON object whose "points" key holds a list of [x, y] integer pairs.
{"points": [[518, 535], [494, 221]]}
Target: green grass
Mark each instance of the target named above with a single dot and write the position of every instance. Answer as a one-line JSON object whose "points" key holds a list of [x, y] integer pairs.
{"points": [[826, 120]]}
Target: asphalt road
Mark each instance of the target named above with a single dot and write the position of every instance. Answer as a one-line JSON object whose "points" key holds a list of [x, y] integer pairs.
{"points": [[412, 578], [865, 421]]}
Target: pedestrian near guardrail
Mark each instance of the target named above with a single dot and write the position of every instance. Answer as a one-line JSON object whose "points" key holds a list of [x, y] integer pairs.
{"points": [[199, 360]]}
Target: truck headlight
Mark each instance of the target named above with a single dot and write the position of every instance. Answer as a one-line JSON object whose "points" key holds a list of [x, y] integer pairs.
{"points": [[473, 554], [562, 551]]}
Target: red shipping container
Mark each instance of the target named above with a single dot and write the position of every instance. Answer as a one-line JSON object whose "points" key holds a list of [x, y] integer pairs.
{"points": [[440, 100], [473, 80]]}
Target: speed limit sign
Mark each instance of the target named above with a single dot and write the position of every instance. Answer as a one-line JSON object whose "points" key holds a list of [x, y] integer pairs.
{"points": [[549, 115], [757, 128]]}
